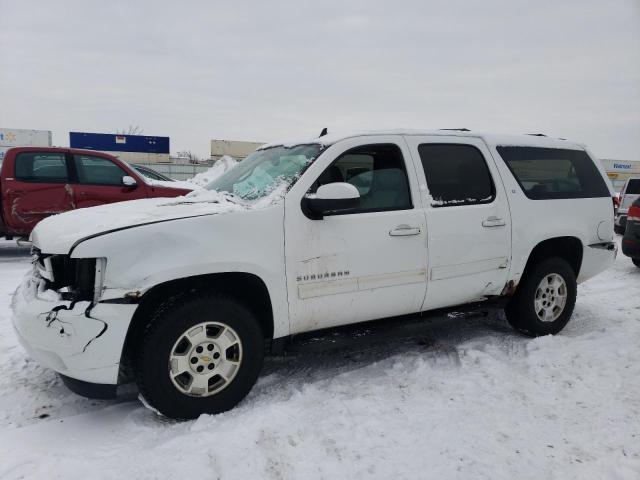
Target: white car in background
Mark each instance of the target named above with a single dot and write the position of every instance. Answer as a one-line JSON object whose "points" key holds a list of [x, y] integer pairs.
{"points": [[628, 194], [188, 294]]}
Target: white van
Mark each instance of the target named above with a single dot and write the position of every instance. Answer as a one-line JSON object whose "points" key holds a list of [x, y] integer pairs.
{"points": [[628, 194], [188, 294]]}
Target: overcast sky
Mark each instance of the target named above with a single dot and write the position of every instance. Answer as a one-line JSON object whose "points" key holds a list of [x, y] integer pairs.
{"points": [[265, 70]]}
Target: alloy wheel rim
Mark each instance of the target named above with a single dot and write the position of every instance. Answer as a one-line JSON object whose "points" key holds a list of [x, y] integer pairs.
{"points": [[205, 359], [550, 298]]}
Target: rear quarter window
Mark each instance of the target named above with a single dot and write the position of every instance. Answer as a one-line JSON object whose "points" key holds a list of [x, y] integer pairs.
{"points": [[554, 173]]}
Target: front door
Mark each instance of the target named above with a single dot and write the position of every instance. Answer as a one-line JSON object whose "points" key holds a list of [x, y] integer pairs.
{"points": [[468, 221], [361, 264], [100, 181]]}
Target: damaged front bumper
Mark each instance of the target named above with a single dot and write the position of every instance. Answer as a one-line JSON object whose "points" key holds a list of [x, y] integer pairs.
{"points": [[81, 340]]}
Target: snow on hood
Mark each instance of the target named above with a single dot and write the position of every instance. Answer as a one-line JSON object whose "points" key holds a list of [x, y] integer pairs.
{"points": [[171, 183], [57, 234]]}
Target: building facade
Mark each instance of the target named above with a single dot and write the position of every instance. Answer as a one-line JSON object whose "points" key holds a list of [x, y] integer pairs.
{"points": [[619, 171]]}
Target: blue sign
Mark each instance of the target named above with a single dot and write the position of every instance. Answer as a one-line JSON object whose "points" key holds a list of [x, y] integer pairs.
{"points": [[622, 166], [109, 142]]}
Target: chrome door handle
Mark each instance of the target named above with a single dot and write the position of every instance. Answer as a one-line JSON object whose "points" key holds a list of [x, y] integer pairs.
{"points": [[493, 221], [404, 230]]}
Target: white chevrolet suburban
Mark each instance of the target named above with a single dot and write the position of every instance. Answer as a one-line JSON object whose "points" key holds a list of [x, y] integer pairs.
{"points": [[188, 294]]}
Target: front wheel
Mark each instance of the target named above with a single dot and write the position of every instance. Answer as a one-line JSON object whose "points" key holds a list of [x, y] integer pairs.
{"points": [[544, 300], [199, 355], [636, 262]]}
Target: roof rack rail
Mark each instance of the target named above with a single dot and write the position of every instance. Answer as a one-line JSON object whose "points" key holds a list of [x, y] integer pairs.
{"points": [[457, 129], [536, 134]]}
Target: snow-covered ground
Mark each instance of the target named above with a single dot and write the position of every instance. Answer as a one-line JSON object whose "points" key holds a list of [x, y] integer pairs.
{"points": [[467, 399]]}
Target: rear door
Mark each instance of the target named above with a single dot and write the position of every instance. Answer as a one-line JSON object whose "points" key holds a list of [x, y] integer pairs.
{"points": [[99, 181], [468, 220], [40, 187]]}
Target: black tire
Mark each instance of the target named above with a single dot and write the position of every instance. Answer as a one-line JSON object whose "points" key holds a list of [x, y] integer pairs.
{"points": [[636, 262], [618, 229], [170, 322], [521, 311]]}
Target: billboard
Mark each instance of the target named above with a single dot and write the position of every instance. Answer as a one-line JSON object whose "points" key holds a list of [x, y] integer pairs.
{"points": [[111, 142]]}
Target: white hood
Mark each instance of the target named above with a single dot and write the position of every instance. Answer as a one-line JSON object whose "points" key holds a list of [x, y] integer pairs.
{"points": [[57, 234]]}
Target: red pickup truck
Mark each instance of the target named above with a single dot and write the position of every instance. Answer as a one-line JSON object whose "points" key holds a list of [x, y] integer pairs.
{"points": [[37, 182]]}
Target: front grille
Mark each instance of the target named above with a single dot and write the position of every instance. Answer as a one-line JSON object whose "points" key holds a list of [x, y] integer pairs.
{"points": [[77, 275]]}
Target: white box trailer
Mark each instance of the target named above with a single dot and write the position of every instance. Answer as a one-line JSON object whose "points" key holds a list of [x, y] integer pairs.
{"points": [[234, 148], [19, 137]]}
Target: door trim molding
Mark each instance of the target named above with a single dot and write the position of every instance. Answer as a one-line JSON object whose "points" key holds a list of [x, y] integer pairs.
{"points": [[358, 284], [462, 269]]}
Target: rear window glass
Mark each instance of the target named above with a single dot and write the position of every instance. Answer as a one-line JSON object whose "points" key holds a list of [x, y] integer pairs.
{"points": [[554, 173], [41, 167], [633, 187]]}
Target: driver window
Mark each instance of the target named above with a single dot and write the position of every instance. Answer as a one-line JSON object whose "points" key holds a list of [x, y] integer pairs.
{"points": [[379, 174], [98, 171]]}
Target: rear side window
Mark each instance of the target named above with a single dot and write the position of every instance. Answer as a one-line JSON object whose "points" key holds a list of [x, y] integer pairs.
{"points": [[98, 171], [633, 187], [554, 173], [41, 167], [456, 174]]}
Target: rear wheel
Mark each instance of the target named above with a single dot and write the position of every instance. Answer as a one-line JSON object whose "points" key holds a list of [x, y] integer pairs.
{"points": [[199, 355], [636, 262], [618, 229], [545, 298]]}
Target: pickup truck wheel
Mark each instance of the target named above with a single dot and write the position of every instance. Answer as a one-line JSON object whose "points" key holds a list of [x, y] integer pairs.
{"points": [[545, 298], [199, 355]]}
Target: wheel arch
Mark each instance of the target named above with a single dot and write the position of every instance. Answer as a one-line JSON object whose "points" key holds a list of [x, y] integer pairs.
{"points": [[247, 288], [569, 248]]}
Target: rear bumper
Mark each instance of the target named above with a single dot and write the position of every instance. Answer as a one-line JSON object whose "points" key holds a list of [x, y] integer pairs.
{"points": [[596, 258], [631, 240], [631, 248], [77, 341]]}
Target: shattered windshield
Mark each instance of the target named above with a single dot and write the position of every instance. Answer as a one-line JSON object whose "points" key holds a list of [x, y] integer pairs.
{"points": [[263, 170]]}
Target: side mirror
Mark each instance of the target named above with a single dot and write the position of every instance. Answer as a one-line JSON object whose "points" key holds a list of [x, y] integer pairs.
{"points": [[128, 181], [330, 198]]}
